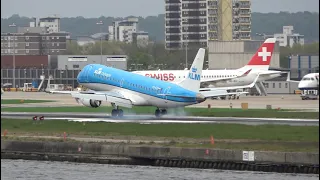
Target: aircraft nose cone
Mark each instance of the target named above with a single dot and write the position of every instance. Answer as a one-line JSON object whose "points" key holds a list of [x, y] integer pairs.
{"points": [[302, 85]]}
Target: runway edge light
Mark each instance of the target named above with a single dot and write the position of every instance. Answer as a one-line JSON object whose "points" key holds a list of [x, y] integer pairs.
{"points": [[64, 135], [5, 133], [211, 140]]}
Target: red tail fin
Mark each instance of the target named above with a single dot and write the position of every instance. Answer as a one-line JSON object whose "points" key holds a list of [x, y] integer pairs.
{"points": [[264, 53]]}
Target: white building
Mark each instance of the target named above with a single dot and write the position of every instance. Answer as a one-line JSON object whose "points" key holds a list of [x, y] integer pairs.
{"points": [[140, 38], [44, 25], [127, 31], [122, 30], [288, 38], [52, 23]]}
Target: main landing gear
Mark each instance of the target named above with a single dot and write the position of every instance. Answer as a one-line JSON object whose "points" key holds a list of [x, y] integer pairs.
{"points": [[116, 112], [159, 112]]}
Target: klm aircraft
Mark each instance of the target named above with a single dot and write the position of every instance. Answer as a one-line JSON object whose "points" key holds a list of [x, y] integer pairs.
{"points": [[126, 89]]}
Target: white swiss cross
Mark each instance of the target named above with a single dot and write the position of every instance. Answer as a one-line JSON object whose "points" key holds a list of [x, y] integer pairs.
{"points": [[264, 54]]}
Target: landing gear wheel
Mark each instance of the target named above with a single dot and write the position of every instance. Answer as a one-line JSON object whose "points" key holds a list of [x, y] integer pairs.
{"points": [[163, 112], [157, 113], [120, 113], [114, 112]]}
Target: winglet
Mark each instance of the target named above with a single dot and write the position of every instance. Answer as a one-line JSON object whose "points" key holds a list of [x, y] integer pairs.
{"points": [[246, 73]]}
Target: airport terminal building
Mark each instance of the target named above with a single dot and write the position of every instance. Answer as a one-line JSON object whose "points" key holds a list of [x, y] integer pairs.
{"points": [[64, 69], [300, 65]]}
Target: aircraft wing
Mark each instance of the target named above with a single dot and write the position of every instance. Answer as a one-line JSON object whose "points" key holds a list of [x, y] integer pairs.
{"points": [[231, 87], [206, 94], [218, 92], [226, 78], [108, 96]]}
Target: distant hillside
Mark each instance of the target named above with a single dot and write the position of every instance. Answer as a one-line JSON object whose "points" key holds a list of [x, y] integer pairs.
{"points": [[305, 23], [80, 26]]}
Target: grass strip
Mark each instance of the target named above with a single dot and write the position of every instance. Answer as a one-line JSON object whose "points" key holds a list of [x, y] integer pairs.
{"points": [[196, 131], [22, 101]]}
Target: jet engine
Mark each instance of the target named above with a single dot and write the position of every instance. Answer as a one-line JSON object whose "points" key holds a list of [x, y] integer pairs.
{"points": [[89, 102]]}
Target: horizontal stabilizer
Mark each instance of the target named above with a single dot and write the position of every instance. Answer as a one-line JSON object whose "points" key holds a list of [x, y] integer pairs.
{"points": [[214, 93]]}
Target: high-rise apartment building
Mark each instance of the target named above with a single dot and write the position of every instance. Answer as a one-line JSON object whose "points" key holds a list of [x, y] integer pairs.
{"points": [[193, 23]]}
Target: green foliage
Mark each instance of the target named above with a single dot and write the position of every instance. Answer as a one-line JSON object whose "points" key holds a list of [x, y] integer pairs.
{"points": [[151, 57], [21, 101]]}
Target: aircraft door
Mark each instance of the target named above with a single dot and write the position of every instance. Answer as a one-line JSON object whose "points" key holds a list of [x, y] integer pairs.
{"points": [[166, 91], [121, 82]]}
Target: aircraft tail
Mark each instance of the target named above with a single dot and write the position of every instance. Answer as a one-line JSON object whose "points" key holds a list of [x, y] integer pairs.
{"points": [[192, 81], [262, 58]]}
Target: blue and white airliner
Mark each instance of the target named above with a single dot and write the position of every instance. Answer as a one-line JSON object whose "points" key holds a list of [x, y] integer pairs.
{"points": [[127, 89]]}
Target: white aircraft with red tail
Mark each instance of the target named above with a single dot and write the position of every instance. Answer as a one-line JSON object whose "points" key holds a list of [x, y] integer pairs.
{"points": [[259, 64]]}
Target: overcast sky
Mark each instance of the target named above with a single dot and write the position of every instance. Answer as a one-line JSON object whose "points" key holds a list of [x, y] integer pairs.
{"points": [[122, 8]]}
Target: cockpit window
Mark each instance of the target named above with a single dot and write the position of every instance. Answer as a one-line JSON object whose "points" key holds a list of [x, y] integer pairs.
{"points": [[306, 79]]}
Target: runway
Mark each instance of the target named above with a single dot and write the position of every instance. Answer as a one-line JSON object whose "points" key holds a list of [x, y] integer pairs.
{"points": [[286, 101], [149, 119]]}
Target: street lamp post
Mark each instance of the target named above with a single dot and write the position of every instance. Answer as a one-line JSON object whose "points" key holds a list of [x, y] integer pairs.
{"points": [[186, 45], [14, 58], [100, 23]]}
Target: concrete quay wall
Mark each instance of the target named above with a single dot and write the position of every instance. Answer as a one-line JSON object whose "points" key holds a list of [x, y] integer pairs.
{"points": [[156, 152]]}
